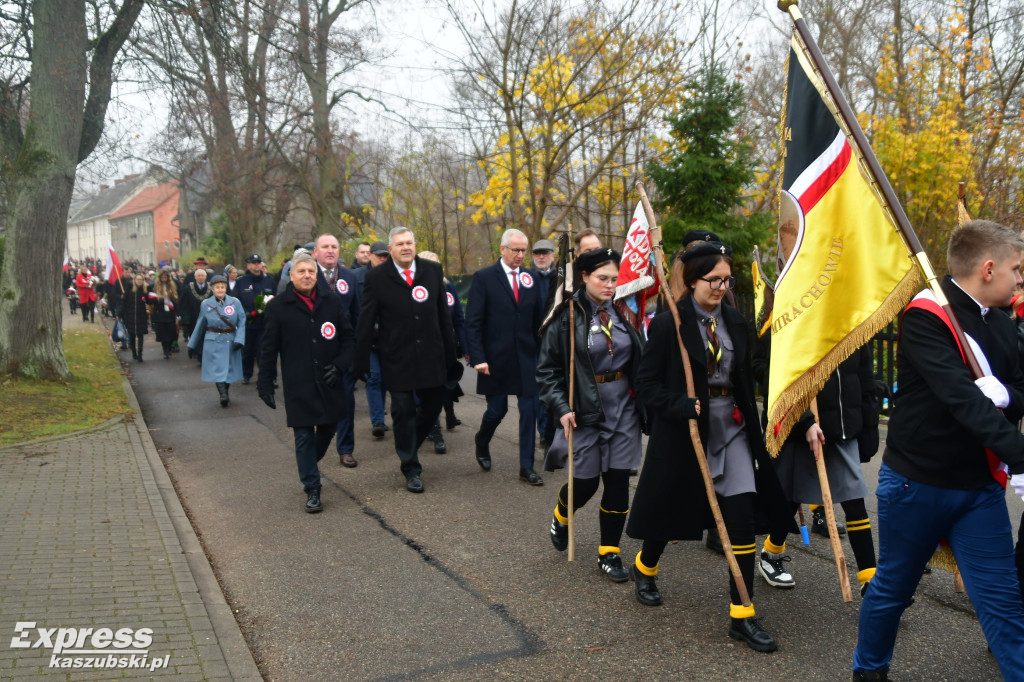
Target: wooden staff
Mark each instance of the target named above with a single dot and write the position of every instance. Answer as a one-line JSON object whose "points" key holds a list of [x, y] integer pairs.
{"points": [[698, 447], [830, 513], [572, 386]]}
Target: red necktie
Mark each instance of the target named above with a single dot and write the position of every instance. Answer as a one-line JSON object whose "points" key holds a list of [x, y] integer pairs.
{"points": [[515, 283], [408, 276]]}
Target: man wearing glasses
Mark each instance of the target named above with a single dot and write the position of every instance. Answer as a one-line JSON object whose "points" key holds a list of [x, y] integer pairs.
{"points": [[504, 313]]}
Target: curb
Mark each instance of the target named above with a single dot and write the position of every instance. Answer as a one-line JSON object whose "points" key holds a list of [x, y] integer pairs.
{"points": [[232, 644]]}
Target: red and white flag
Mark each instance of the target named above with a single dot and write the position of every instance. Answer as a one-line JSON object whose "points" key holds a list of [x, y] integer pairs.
{"points": [[637, 280], [114, 271]]}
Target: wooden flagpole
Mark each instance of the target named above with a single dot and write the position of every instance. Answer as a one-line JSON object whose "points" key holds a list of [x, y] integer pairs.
{"points": [[830, 513], [698, 447], [570, 284]]}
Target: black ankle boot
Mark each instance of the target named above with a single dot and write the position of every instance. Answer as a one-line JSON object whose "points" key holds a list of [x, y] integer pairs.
{"points": [[749, 630], [222, 389], [450, 420], [440, 447], [871, 675]]}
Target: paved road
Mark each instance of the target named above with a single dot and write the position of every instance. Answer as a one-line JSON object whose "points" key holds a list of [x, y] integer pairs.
{"points": [[462, 582]]}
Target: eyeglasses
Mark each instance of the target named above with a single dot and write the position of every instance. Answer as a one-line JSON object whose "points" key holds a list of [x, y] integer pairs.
{"points": [[515, 251], [720, 282]]}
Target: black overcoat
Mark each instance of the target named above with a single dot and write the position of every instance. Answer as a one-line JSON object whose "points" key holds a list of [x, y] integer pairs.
{"points": [[307, 342], [135, 311], [502, 333], [414, 337], [670, 501]]}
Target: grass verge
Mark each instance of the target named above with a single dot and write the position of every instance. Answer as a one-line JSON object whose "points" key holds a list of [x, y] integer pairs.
{"points": [[36, 409]]}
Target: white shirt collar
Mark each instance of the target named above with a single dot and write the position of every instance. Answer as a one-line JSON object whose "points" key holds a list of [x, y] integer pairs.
{"points": [[401, 270], [507, 269], [984, 310]]}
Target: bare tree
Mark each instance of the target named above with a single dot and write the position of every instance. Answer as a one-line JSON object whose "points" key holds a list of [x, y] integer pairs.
{"points": [[56, 74]]}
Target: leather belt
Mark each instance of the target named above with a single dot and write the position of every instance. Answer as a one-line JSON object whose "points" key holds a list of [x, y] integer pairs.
{"points": [[220, 330], [609, 377], [716, 391]]}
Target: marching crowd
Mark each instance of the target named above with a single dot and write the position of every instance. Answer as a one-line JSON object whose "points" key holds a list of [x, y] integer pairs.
{"points": [[583, 373]]}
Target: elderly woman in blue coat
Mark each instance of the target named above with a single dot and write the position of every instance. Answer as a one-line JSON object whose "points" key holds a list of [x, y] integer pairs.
{"points": [[220, 329]]}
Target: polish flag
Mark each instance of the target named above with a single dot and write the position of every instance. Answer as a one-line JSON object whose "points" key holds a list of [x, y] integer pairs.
{"points": [[114, 271]]}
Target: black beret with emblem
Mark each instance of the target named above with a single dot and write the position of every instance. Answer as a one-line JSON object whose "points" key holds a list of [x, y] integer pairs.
{"points": [[706, 249], [592, 260], [699, 236]]}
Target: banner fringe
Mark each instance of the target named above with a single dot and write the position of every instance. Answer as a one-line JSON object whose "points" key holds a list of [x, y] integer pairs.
{"points": [[796, 398], [639, 284]]}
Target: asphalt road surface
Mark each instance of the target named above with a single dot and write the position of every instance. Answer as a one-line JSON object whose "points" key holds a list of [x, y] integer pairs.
{"points": [[462, 583]]}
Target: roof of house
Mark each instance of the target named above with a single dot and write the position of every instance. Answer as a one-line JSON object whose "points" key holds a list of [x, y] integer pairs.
{"points": [[147, 200], [107, 201]]}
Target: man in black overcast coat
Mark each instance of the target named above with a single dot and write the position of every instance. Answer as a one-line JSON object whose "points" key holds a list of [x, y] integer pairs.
{"points": [[308, 327], [405, 297]]}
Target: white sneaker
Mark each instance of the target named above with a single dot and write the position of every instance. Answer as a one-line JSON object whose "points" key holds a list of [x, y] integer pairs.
{"points": [[773, 572]]}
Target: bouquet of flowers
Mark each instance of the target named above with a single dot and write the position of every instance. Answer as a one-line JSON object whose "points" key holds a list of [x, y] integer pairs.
{"points": [[260, 305]]}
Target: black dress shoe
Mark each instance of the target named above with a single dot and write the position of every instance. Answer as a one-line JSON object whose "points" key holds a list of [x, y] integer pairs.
{"points": [[749, 630], [559, 534], [313, 504], [612, 565], [377, 430], [530, 476], [451, 422], [413, 484], [440, 447], [483, 456], [246, 380], [881, 675], [645, 588]]}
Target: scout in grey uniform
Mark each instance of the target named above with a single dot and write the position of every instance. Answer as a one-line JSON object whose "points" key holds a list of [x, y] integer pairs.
{"points": [[220, 330], [670, 502], [606, 417]]}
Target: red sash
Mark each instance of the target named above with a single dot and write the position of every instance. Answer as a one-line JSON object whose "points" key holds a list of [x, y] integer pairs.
{"points": [[926, 304]]}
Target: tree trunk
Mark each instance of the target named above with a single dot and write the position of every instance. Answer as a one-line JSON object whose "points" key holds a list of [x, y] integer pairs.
{"points": [[30, 300]]}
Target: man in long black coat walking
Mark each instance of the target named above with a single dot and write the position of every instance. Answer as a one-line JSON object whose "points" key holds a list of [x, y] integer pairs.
{"points": [[503, 317], [405, 297], [307, 326]]}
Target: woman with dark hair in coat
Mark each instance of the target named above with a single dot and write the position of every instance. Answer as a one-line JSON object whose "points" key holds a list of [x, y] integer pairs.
{"points": [[164, 311], [135, 313], [670, 501], [308, 327], [605, 416]]}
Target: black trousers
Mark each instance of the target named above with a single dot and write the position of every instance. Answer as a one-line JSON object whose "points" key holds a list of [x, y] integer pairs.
{"points": [[135, 343], [251, 351], [411, 425]]}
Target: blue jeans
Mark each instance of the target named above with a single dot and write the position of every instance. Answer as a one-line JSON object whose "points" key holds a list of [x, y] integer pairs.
{"points": [[912, 517], [375, 390], [311, 443], [497, 408], [346, 425]]}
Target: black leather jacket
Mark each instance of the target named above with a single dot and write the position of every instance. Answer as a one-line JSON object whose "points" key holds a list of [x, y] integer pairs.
{"points": [[553, 369]]}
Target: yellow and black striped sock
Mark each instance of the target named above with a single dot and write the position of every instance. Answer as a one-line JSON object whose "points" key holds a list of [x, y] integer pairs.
{"points": [[859, 533]]}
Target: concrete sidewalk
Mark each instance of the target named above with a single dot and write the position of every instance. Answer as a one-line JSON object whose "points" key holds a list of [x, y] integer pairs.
{"points": [[94, 537]]}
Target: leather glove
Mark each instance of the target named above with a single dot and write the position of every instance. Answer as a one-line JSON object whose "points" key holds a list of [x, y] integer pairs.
{"points": [[237, 346], [994, 391], [332, 377], [1017, 481], [268, 399]]}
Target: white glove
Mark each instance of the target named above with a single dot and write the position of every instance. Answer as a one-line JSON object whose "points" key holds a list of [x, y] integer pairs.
{"points": [[994, 391], [1017, 482]]}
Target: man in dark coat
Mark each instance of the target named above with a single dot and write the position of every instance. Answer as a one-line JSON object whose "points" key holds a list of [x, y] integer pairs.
{"points": [[940, 474], [404, 298], [307, 326], [341, 282], [248, 289], [503, 320]]}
